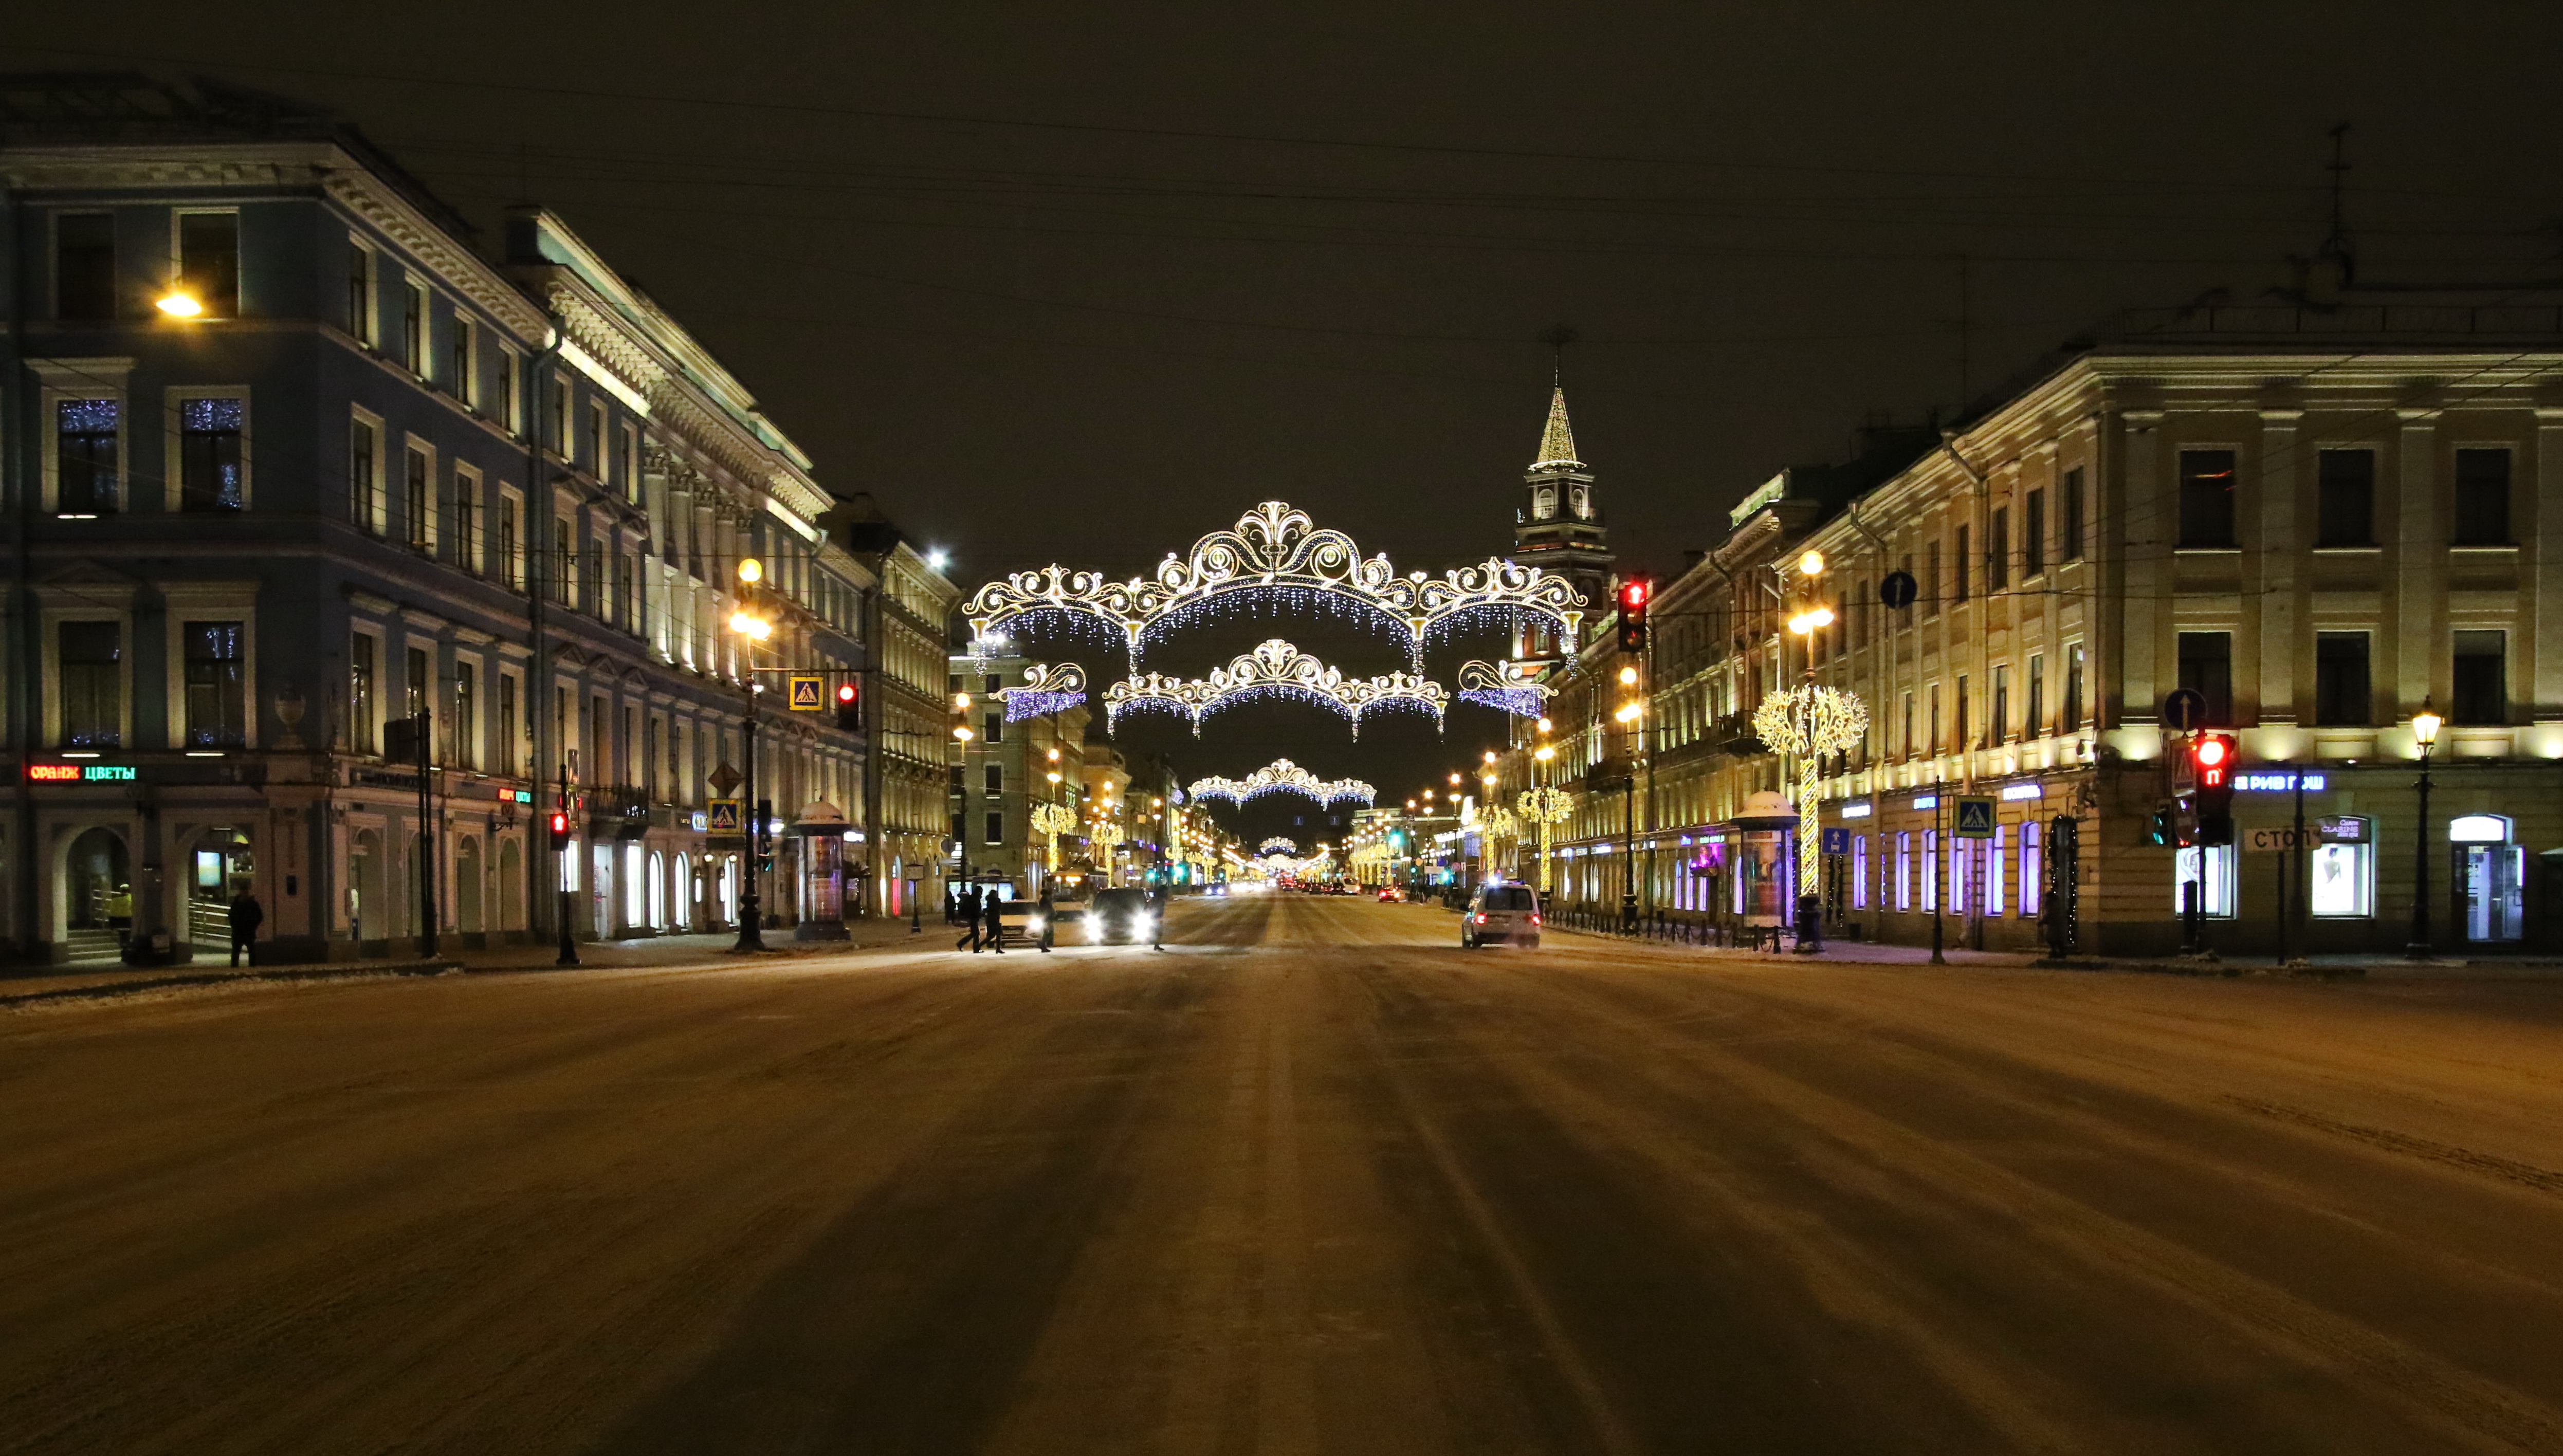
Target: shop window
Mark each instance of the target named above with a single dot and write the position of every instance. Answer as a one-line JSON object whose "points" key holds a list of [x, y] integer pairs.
{"points": [[2032, 889], [1993, 853], [2343, 871], [1860, 872], [2212, 866], [1903, 870]]}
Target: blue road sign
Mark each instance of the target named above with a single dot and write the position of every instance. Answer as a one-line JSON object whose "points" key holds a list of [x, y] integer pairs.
{"points": [[1975, 816], [1834, 842], [2184, 709]]}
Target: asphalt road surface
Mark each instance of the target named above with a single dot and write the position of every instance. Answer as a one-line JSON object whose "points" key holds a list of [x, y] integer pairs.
{"points": [[1311, 1180]]}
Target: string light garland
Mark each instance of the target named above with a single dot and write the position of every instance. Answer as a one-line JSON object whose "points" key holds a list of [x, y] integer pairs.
{"points": [[1284, 776], [1546, 808], [1276, 669], [1276, 556], [1503, 687], [1047, 687]]}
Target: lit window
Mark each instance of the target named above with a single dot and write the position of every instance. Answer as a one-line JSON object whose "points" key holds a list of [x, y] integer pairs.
{"points": [[209, 453], [2031, 868], [2212, 866], [2344, 881]]}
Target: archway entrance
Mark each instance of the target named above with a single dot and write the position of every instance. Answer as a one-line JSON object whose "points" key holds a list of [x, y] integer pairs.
{"points": [[97, 883], [219, 868]]}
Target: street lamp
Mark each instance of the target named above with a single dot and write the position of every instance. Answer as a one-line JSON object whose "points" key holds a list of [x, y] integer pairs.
{"points": [[2425, 731], [755, 629]]}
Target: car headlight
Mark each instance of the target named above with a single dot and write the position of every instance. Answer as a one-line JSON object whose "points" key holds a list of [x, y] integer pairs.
{"points": [[1034, 923]]}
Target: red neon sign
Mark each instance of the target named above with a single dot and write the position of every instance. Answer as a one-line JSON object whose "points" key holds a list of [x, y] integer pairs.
{"points": [[53, 773]]}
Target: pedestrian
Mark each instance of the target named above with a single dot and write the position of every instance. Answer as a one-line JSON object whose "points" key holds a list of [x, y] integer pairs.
{"points": [[1047, 903], [969, 919], [996, 926], [246, 916]]}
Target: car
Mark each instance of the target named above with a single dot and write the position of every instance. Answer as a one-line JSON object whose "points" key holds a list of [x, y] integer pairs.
{"points": [[1390, 894], [1022, 923], [1499, 914], [1120, 917]]}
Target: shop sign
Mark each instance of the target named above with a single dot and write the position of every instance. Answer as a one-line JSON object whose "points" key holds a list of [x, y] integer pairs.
{"points": [[1855, 811], [2013, 793], [80, 773], [2276, 782], [2348, 828]]}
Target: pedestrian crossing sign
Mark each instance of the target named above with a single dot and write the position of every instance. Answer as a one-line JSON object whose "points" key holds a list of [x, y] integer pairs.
{"points": [[726, 817], [806, 697], [1975, 818]]}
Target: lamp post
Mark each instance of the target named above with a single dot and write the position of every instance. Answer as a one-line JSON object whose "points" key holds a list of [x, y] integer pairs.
{"points": [[752, 629], [2425, 731]]}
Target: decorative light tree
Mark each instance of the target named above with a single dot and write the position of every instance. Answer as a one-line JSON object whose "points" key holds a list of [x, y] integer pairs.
{"points": [[1805, 725], [1052, 820], [1546, 808]]}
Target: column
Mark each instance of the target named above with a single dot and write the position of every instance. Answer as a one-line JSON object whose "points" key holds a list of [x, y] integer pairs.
{"points": [[2275, 569], [2419, 552]]}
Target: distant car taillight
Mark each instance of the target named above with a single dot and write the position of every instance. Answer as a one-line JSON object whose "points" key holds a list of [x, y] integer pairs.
{"points": [[1535, 920], [1481, 919]]}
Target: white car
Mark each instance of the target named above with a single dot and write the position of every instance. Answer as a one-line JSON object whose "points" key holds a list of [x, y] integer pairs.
{"points": [[1500, 914]]}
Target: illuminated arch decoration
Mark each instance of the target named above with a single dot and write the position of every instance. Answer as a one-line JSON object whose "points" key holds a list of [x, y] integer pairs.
{"points": [[1276, 556], [1277, 845], [1284, 776], [1047, 689], [1501, 687], [1276, 669]]}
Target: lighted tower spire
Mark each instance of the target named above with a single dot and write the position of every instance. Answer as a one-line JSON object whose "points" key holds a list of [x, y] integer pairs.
{"points": [[1558, 526], [1558, 440]]}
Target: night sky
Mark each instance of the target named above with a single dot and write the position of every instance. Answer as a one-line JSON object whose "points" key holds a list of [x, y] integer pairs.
{"points": [[1080, 282]]}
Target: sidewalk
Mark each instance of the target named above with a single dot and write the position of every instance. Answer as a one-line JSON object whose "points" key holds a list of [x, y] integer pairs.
{"points": [[38, 986], [2339, 967]]}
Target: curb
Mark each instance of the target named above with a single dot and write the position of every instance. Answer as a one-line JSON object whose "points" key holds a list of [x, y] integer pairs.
{"points": [[341, 970]]}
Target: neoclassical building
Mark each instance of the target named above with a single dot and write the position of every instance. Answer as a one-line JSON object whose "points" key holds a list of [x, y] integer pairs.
{"points": [[2318, 512], [293, 459]]}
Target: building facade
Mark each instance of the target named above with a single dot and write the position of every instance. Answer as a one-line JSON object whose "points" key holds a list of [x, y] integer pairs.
{"points": [[290, 465], [2320, 516], [909, 625]]}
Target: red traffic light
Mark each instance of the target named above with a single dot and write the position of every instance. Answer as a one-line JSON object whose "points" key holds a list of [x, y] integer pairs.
{"points": [[845, 692], [1633, 594], [560, 823], [2212, 752]]}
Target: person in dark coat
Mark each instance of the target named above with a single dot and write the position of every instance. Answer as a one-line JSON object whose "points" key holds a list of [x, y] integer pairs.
{"points": [[247, 914], [995, 926], [1048, 909], [969, 916]]}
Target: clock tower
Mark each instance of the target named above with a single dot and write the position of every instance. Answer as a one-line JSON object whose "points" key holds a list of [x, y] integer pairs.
{"points": [[1558, 529]]}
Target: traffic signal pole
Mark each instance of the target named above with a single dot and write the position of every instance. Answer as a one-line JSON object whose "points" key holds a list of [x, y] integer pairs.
{"points": [[561, 869]]}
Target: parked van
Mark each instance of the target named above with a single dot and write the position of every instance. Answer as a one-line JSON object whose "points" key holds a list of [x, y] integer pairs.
{"points": [[1500, 914]]}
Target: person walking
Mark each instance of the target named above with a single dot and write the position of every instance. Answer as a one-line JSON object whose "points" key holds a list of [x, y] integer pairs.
{"points": [[995, 934], [1047, 903], [247, 915], [969, 919]]}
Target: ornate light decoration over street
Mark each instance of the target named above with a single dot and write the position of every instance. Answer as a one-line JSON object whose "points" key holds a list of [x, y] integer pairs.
{"points": [[1503, 687], [1284, 777], [1806, 723], [1546, 808], [1277, 845], [1047, 687], [1276, 556], [1052, 820], [1276, 669]]}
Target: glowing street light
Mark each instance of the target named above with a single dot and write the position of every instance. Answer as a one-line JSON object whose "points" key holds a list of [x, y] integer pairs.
{"points": [[179, 303]]}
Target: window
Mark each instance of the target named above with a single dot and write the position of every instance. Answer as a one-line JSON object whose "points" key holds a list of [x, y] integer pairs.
{"points": [[1966, 723], [2481, 681], [2070, 547], [564, 560], [595, 452], [1908, 725], [994, 778], [1993, 856], [209, 453], [1931, 579], [2212, 866], [2342, 695], [2343, 879], [1958, 582], [626, 462], [559, 423], [466, 519], [217, 684], [1935, 724], [1998, 727], [209, 260], [1962, 869], [85, 265], [1860, 872], [507, 757], [2346, 497], [360, 692], [2483, 498], [360, 293], [1998, 551], [2072, 687], [414, 328], [2033, 534], [417, 498], [2035, 725], [2206, 668], [415, 683], [364, 491], [2031, 868], [1903, 870], [627, 595], [1931, 870], [2206, 499], [996, 826], [503, 390], [512, 560], [91, 660], [995, 726], [466, 380], [86, 462]]}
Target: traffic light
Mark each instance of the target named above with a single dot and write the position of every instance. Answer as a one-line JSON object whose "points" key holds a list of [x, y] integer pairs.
{"points": [[2210, 757], [850, 708], [559, 829], [1633, 614], [2163, 828]]}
